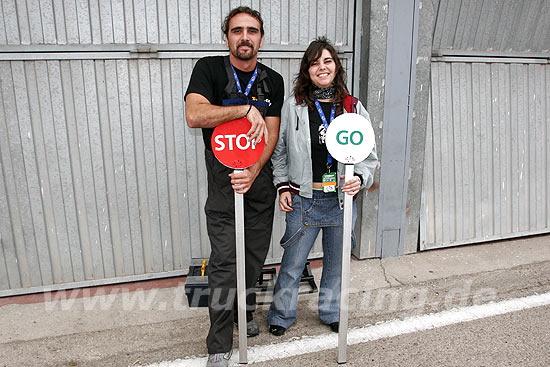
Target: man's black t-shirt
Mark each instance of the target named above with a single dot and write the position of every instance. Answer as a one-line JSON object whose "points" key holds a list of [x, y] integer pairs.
{"points": [[209, 79]]}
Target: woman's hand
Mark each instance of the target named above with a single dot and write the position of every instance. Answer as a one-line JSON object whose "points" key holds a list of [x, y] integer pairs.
{"points": [[351, 187], [285, 201]]}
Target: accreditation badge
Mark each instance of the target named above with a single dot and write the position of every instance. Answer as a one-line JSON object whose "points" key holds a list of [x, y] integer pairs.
{"points": [[329, 182]]}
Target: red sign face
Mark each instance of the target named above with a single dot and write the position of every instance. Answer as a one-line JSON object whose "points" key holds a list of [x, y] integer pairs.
{"points": [[232, 147]]}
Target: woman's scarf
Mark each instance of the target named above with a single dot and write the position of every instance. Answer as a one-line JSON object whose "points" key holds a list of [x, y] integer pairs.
{"points": [[323, 93]]}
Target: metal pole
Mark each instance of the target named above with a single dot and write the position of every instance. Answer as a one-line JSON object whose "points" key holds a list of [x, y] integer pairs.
{"points": [[346, 254], [241, 279]]}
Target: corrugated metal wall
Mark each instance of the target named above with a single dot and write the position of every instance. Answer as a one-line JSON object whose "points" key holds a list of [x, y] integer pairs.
{"points": [[101, 179], [487, 169], [84, 22], [487, 162], [496, 25]]}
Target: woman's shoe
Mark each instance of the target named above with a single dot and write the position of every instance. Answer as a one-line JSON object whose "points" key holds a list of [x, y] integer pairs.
{"points": [[277, 330], [334, 326]]}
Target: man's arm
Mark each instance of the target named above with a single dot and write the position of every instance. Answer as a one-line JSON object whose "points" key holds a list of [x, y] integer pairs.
{"points": [[241, 182], [199, 112]]}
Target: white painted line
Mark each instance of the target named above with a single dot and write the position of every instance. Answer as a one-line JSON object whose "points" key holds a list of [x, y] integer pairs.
{"points": [[388, 329]]}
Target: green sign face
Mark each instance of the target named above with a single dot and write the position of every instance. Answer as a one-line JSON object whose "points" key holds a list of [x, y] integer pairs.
{"points": [[355, 138]]}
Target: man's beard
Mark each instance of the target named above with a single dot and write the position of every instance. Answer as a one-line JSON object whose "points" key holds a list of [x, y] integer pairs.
{"points": [[245, 55]]}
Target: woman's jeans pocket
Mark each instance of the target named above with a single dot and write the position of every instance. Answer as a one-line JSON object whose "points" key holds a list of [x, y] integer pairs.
{"points": [[322, 210], [294, 227]]}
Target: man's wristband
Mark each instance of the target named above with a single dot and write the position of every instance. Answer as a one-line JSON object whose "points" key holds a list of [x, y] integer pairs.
{"points": [[249, 108]]}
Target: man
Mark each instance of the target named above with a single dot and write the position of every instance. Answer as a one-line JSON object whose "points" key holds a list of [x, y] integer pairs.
{"points": [[223, 89]]}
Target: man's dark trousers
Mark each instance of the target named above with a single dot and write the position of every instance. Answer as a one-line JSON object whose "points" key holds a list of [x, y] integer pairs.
{"points": [[259, 204]]}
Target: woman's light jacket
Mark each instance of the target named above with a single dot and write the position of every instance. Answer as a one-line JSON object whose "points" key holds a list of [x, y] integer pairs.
{"points": [[292, 170]]}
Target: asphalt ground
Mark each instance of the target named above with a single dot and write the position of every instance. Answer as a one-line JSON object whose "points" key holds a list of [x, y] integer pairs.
{"points": [[118, 326], [515, 339]]}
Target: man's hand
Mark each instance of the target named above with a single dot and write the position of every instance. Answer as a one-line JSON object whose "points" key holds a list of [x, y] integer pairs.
{"points": [[242, 182], [259, 127], [200, 113], [285, 201]]}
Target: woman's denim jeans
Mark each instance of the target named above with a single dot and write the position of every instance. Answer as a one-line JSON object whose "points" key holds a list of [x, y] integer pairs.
{"points": [[302, 227]]}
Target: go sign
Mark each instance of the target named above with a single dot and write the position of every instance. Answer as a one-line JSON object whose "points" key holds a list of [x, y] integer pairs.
{"points": [[343, 137], [350, 138], [232, 147]]}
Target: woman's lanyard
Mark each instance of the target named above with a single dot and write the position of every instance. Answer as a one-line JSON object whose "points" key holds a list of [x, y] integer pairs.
{"points": [[325, 124], [250, 82], [329, 179]]}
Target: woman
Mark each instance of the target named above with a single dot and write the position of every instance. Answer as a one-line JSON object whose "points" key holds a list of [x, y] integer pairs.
{"points": [[306, 178]]}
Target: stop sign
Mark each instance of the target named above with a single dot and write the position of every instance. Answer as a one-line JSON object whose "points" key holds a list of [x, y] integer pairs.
{"points": [[232, 147]]}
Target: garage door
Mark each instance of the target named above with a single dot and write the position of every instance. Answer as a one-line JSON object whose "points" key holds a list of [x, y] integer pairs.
{"points": [[487, 161], [101, 180]]}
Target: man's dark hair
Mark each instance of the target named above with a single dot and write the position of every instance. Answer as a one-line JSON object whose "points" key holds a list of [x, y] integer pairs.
{"points": [[303, 86], [242, 9]]}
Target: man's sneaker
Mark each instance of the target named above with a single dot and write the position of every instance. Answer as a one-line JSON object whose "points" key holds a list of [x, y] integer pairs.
{"points": [[252, 328], [218, 360]]}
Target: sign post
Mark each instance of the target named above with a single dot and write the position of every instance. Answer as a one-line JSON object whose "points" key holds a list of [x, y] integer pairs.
{"points": [[235, 150], [350, 140], [241, 276]]}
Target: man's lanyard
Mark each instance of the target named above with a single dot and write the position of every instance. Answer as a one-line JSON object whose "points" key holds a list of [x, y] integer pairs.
{"points": [[250, 82], [325, 124]]}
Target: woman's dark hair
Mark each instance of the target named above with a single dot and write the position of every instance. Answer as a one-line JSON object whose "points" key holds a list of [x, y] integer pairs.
{"points": [[303, 86], [242, 9]]}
